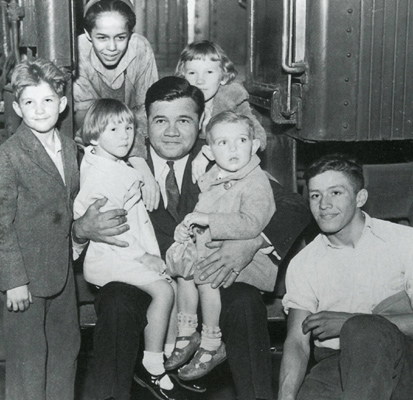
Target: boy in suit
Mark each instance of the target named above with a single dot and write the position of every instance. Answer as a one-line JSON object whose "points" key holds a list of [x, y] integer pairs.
{"points": [[39, 180]]}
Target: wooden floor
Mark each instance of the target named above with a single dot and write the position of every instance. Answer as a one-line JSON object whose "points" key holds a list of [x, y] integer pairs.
{"points": [[219, 382]]}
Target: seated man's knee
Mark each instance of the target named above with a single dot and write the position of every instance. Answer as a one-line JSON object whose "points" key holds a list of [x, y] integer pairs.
{"points": [[117, 299], [366, 329], [244, 299]]}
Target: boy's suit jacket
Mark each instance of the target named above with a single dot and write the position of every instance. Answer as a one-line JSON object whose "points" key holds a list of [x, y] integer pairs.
{"points": [[290, 219], [35, 213]]}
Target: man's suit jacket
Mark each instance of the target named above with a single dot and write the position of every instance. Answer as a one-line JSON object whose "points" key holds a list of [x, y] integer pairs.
{"points": [[35, 213], [290, 219]]}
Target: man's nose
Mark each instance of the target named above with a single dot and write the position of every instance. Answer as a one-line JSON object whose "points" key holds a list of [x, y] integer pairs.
{"points": [[325, 202], [171, 130]]}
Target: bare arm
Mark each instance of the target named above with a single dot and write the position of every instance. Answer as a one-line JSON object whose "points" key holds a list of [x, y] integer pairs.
{"points": [[295, 358]]}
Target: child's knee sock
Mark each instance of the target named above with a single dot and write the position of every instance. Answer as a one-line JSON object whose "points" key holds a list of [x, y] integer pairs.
{"points": [[187, 324], [211, 337], [153, 362]]}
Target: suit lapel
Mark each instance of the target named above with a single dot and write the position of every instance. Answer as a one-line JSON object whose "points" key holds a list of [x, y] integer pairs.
{"points": [[37, 153]]}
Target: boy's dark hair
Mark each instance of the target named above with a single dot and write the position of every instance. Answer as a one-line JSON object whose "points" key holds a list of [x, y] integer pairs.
{"points": [[340, 163], [206, 49], [100, 114], [93, 11], [171, 88], [33, 73], [230, 117]]}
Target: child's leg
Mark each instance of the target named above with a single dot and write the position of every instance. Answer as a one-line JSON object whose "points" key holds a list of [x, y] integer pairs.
{"points": [[211, 310], [188, 338], [172, 326], [211, 351], [158, 313], [158, 319], [187, 300]]}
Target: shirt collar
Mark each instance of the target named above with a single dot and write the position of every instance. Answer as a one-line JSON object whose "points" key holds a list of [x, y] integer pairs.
{"points": [[213, 176], [369, 227], [127, 173], [159, 163]]}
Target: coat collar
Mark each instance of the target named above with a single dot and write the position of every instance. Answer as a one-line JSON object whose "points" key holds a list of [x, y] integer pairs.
{"points": [[35, 150], [211, 177]]}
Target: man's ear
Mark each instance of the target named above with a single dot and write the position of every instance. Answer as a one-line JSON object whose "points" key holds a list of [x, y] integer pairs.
{"points": [[206, 150], [17, 109], [94, 142], [362, 197], [63, 104], [255, 146], [87, 35]]}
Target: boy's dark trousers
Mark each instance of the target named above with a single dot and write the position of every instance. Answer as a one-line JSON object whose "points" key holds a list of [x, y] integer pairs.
{"points": [[42, 345], [375, 363]]}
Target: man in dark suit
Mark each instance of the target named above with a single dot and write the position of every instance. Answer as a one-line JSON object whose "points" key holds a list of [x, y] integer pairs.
{"points": [[174, 110]]}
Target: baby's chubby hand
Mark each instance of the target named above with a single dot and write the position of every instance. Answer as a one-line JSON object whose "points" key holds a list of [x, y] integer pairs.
{"points": [[182, 233], [155, 263], [196, 218]]}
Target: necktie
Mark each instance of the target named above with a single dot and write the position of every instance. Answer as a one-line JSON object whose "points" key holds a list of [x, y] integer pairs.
{"points": [[172, 191]]}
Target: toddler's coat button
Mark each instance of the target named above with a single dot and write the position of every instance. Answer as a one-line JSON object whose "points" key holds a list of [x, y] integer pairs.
{"points": [[227, 185]]}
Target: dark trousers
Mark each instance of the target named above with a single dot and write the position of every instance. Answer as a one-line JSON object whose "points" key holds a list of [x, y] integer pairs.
{"points": [[121, 311], [375, 363], [121, 317], [42, 345], [245, 332]]}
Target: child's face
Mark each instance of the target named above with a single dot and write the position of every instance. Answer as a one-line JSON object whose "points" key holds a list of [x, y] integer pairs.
{"points": [[206, 75], [115, 141], [110, 38], [40, 106], [231, 146]]}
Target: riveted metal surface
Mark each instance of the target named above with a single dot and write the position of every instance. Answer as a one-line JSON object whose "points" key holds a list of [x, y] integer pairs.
{"points": [[357, 85]]}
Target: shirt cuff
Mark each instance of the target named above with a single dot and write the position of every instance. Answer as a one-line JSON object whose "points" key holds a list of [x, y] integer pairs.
{"points": [[270, 249]]}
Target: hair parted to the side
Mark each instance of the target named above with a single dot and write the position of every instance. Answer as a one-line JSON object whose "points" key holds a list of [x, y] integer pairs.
{"points": [[33, 73], [99, 7], [171, 88], [206, 49], [229, 117], [100, 114], [348, 165]]}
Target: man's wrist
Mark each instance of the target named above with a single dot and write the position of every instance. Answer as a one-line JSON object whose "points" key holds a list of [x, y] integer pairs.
{"points": [[76, 235]]}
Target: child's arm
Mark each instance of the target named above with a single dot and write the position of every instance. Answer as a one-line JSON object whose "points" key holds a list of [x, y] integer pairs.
{"points": [[256, 209], [196, 218], [182, 233], [12, 269], [155, 263], [199, 165], [19, 298], [150, 188]]}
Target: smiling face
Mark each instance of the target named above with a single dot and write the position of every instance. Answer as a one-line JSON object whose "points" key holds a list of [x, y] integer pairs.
{"points": [[115, 141], [173, 127], [335, 205], [231, 145], [206, 75], [40, 106], [110, 38]]}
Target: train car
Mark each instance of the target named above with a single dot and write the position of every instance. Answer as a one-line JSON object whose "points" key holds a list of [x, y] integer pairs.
{"points": [[323, 76]]}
